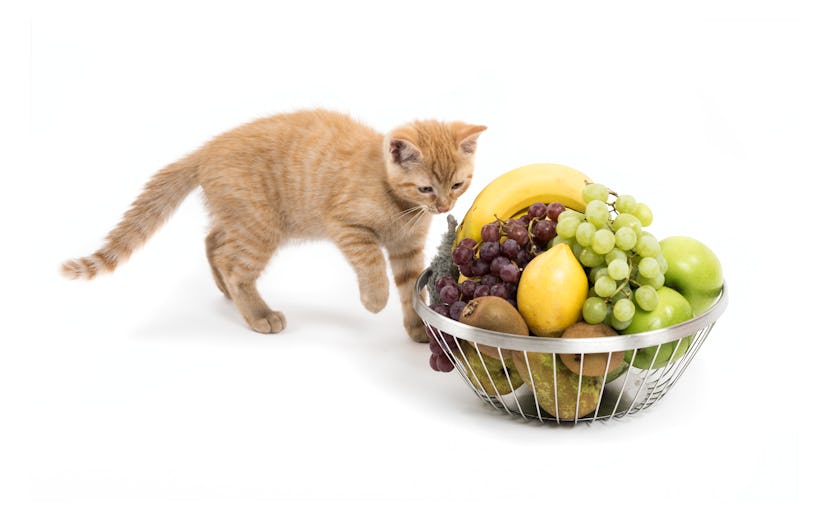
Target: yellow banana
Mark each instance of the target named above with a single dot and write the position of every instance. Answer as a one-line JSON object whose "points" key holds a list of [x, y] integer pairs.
{"points": [[511, 193]]}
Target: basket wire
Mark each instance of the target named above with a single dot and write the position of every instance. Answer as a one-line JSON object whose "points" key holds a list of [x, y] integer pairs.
{"points": [[629, 393]]}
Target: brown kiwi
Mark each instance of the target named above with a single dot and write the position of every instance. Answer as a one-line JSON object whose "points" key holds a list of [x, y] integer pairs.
{"points": [[496, 314], [595, 364]]}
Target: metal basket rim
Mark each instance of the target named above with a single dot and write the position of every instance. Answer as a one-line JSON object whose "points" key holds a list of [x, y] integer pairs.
{"points": [[558, 345]]}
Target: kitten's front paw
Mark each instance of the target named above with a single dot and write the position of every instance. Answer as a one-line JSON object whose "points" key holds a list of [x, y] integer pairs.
{"points": [[271, 322], [375, 297]]}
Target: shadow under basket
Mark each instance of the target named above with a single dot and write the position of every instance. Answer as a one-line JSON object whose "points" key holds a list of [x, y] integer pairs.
{"points": [[526, 375]]}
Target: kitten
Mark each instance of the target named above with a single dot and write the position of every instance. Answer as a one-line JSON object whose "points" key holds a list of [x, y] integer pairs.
{"points": [[309, 174]]}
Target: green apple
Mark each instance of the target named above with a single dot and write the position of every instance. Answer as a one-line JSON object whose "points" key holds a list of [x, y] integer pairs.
{"points": [[692, 269], [672, 309]]}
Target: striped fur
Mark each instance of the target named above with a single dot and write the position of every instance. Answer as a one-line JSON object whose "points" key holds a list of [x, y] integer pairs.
{"points": [[308, 174]]}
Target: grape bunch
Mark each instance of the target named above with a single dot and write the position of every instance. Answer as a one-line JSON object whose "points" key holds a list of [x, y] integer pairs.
{"points": [[624, 261], [492, 266]]}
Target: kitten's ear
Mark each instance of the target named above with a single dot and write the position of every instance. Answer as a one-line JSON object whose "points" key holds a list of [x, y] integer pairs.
{"points": [[403, 152], [467, 137]]}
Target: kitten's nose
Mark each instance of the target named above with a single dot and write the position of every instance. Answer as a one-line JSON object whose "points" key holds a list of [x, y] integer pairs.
{"points": [[443, 208]]}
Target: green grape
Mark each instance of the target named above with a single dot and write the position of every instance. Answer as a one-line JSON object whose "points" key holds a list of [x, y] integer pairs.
{"points": [[618, 269], [646, 297], [662, 263], [648, 267], [556, 240], [605, 286], [625, 204], [603, 241], [594, 310], [626, 220], [623, 310], [595, 192], [647, 246], [569, 213], [644, 214], [656, 282], [566, 227], [597, 213], [618, 325], [597, 272], [625, 238], [576, 249], [614, 254], [584, 234], [589, 258]]}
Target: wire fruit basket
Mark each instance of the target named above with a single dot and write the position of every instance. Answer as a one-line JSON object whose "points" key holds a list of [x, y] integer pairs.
{"points": [[527, 377]]}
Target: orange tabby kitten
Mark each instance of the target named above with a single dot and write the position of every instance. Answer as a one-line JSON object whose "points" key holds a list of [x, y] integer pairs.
{"points": [[309, 174]]}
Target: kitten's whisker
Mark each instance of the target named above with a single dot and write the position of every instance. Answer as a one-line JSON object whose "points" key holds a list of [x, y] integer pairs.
{"points": [[405, 212], [415, 219]]}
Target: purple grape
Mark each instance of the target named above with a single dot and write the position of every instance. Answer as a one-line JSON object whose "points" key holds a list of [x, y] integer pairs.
{"points": [[456, 309], [524, 220], [479, 267], [553, 210], [490, 232], [543, 230], [462, 255], [440, 308], [468, 243], [499, 290], [510, 248], [432, 361], [450, 294], [510, 273], [434, 346], [444, 364], [497, 263], [481, 290], [466, 270], [467, 288], [491, 279], [519, 233], [537, 210], [489, 250], [511, 289], [522, 259], [443, 281]]}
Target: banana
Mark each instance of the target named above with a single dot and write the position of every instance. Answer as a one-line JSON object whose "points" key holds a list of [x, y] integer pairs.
{"points": [[513, 192]]}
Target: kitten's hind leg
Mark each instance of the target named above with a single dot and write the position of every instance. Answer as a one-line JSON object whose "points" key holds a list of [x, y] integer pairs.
{"points": [[214, 239], [238, 258]]}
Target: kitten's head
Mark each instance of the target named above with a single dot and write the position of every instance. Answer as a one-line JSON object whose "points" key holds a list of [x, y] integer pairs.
{"points": [[429, 163]]}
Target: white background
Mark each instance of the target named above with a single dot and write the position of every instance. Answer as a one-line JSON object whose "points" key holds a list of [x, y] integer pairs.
{"points": [[142, 395]]}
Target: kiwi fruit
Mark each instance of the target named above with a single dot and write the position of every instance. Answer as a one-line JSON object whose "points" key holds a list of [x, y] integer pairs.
{"points": [[496, 314], [594, 364]]}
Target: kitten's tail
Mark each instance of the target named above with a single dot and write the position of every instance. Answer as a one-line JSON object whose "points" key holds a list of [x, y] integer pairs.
{"points": [[161, 197]]}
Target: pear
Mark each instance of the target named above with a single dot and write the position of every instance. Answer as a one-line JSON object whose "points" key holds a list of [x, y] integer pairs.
{"points": [[556, 388], [488, 374]]}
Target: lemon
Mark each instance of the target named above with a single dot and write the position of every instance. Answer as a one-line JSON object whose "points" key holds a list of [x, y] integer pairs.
{"points": [[552, 291]]}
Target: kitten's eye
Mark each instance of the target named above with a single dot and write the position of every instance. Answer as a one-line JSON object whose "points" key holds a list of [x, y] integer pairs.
{"points": [[425, 190], [457, 185]]}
